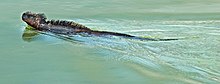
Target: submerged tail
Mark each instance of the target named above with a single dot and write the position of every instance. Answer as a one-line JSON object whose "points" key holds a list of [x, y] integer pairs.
{"points": [[104, 33], [152, 39]]}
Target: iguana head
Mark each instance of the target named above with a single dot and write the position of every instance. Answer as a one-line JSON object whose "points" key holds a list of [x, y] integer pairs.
{"points": [[34, 19]]}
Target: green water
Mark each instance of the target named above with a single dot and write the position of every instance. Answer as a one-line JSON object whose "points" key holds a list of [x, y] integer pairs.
{"points": [[98, 60]]}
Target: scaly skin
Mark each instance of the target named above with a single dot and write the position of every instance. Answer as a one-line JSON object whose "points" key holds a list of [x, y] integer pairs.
{"points": [[38, 22]]}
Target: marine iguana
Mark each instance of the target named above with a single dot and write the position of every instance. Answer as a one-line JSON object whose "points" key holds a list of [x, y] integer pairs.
{"points": [[38, 22]]}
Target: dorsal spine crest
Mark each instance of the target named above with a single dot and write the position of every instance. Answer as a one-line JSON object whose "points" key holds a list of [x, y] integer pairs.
{"points": [[65, 23]]}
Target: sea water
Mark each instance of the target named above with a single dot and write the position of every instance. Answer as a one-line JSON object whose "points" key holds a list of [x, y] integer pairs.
{"points": [[45, 59]]}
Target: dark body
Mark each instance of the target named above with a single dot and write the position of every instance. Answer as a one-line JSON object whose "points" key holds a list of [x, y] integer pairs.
{"points": [[38, 22], [71, 28]]}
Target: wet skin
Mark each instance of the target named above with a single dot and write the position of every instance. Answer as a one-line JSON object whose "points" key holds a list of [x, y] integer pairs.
{"points": [[38, 22]]}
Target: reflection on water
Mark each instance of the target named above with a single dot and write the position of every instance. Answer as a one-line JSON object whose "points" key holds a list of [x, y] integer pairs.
{"points": [[29, 34], [28, 56]]}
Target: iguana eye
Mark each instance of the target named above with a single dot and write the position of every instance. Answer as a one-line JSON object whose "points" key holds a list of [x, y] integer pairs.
{"points": [[31, 17]]}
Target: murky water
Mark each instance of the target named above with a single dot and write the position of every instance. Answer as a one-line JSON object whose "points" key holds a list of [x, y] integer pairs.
{"points": [[98, 60]]}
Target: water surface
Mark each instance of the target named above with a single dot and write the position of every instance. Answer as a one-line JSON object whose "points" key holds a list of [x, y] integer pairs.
{"points": [[96, 60]]}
